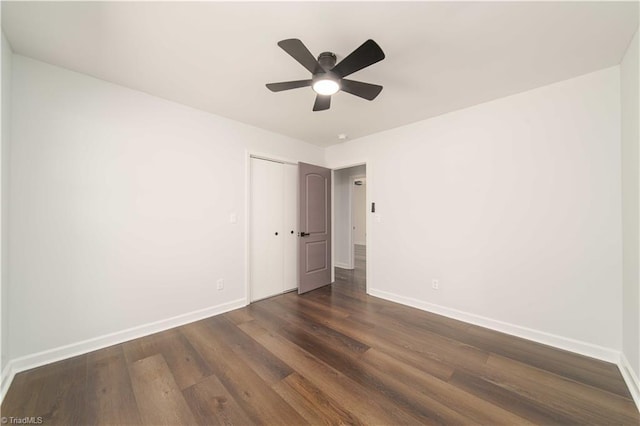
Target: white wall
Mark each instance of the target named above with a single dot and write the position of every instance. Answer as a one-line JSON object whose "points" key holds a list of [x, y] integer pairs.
{"points": [[342, 211], [121, 205], [629, 77], [514, 205], [4, 191]]}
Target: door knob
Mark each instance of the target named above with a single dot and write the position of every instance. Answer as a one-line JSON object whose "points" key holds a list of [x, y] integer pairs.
{"points": [[276, 233], [304, 234]]}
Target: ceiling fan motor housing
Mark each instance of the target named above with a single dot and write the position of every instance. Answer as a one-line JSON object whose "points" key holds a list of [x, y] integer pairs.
{"points": [[327, 60]]}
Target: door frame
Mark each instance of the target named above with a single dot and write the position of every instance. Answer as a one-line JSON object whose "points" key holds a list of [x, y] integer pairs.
{"points": [[247, 212], [352, 241], [369, 222]]}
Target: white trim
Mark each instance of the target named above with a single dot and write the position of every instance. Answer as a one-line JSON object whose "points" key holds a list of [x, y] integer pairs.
{"points": [[631, 379], [352, 241], [333, 226], [48, 356], [369, 266], [5, 380], [342, 265], [369, 281], [269, 157], [572, 345], [247, 227], [352, 262]]}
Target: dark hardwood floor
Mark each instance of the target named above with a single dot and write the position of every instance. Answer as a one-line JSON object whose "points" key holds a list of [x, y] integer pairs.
{"points": [[333, 356]]}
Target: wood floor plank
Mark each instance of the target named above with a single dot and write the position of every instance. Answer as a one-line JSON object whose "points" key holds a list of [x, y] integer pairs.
{"points": [[270, 368], [330, 381], [315, 315], [185, 363], [159, 399], [582, 369], [258, 400], [441, 391], [313, 404], [330, 311], [377, 380], [330, 335], [427, 365], [430, 345], [509, 400], [416, 318], [570, 365], [421, 339], [62, 397], [292, 321], [110, 398], [364, 332], [238, 316], [212, 404], [585, 404], [350, 299], [22, 397]]}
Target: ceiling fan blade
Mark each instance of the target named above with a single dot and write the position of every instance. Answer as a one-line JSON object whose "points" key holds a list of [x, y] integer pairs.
{"points": [[300, 53], [322, 102], [287, 85], [358, 88], [367, 54]]}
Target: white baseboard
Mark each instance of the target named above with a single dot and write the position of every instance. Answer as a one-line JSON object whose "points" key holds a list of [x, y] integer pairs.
{"points": [[582, 348], [5, 380], [38, 359], [630, 378], [342, 265]]}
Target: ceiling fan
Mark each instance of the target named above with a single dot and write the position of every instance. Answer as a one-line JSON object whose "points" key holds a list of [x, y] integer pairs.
{"points": [[327, 78]]}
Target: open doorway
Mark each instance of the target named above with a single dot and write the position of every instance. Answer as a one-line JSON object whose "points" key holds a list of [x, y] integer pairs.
{"points": [[358, 217], [350, 223]]}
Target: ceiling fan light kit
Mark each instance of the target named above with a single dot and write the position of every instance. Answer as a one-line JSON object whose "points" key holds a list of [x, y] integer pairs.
{"points": [[325, 86], [327, 78]]}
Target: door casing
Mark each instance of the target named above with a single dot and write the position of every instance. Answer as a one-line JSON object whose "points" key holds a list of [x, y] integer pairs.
{"points": [[370, 229], [352, 212]]}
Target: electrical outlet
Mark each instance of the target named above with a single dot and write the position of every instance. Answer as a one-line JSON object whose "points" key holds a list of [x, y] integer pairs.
{"points": [[435, 284], [220, 284]]}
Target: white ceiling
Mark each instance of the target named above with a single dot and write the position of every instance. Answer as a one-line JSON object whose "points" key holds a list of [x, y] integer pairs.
{"points": [[217, 57]]}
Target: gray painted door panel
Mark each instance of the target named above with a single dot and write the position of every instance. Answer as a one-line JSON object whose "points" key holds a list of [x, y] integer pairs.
{"points": [[315, 219]]}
